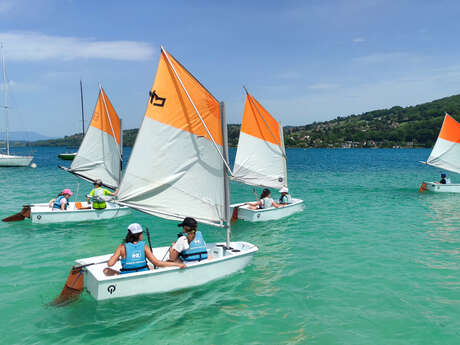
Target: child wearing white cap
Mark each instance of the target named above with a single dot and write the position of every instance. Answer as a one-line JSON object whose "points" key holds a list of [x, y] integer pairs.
{"points": [[133, 254], [285, 198]]}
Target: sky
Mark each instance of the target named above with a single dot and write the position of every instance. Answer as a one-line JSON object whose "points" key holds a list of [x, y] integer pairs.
{"points": [[305, 61]]}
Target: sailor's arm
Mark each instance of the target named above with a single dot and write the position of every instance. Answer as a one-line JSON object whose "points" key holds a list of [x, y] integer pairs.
{"points": [[113, 260], [156, 262]]}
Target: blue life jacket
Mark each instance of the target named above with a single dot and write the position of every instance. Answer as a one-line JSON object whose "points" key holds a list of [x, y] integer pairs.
{"points": [[285, 199], [135, 258], [57, 202], [197, 249]]}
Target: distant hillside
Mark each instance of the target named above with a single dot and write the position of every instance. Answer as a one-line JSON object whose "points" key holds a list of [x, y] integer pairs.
{"points": [[23, 136], [74, 140], [415, 126]]}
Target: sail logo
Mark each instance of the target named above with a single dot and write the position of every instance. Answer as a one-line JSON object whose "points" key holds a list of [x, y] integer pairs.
{"points": [[154, 98]]}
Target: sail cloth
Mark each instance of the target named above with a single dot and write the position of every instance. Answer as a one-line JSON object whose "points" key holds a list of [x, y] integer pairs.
{"points": [[175, 169], [260, 157], [446, 150], [99, 155]]}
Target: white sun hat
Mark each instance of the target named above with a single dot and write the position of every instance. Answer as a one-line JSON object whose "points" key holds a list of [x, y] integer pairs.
{"points": [[135, 228], [284, 190]]}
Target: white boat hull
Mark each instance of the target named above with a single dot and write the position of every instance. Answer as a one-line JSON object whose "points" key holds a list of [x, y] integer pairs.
{"points": [[15, 161], [272, 213], [442, 188], [221, 263], [43, 214]]}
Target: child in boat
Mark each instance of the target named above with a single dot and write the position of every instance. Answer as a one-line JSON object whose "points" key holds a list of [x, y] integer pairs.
{"points": [[285, 198], [62, 200], [99, 195], [133, 253], [264, 202], [190, 246], [444, 179]]}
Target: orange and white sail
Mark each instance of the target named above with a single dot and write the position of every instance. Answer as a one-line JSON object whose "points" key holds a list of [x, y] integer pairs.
{"points": [[176, 168], [446, 150], [260, 157], [100, 153]]}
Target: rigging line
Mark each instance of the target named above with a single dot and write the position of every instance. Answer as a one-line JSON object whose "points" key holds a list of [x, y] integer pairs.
{"points": [[266, 124], [110, 121], [196, 110]]}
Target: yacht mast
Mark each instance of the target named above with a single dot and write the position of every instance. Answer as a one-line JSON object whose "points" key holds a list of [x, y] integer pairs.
{"points": [[82, 111], [5, 104]]}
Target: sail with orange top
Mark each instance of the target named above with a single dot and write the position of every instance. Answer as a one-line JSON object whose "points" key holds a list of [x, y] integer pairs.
{"points": [[176, 167], [100, 153], [260, 157], [446, 150]]}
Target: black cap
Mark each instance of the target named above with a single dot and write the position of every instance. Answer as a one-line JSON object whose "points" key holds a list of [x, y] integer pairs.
{"points": [[188, 221]]}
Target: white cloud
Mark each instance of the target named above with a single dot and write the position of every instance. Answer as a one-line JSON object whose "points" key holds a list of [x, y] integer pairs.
{"points": [[324, 86], [359, 40], [35, 46]]}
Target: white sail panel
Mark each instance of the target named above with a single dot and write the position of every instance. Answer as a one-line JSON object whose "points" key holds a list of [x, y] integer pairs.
{"points": [[99, 155], [175, 170], [173, 174], [445, 155], [258, 163], [260, 159], [446, 150]]}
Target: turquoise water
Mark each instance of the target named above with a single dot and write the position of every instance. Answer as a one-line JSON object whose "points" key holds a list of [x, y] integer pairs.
{"points": [[369, 261]]}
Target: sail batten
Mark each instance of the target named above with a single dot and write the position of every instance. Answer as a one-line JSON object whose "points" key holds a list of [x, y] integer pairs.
{"points": [[446, 151], [99, 154], [260, 157], [175, 169]]}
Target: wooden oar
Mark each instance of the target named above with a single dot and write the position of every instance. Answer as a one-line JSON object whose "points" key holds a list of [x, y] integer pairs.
{"points": [[74, 285], [25, 213], [422, 188]]}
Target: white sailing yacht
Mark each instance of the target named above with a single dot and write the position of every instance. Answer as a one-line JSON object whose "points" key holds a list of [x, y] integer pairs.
{"points": [[99, 157], [7, 159], [178, 168], [261, 161], [445, 155]]}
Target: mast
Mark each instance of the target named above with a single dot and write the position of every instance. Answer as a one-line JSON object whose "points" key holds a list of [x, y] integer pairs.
{"points": [[284, 153], [5, 105], [223, 119], [121, 151], [82, 111]]}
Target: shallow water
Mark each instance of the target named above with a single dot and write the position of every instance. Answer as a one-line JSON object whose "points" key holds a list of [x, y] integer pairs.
{"points": [[369, 261]]}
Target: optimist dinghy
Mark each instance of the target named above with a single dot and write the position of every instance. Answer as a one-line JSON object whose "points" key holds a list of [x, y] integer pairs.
{"points": [[99, 157], [178, 168], [261, 161], [445, 155]]}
